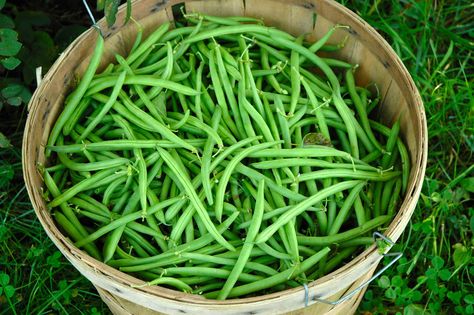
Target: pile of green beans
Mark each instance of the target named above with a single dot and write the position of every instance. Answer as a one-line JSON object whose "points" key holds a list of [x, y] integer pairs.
{"points": [[223, 157]]}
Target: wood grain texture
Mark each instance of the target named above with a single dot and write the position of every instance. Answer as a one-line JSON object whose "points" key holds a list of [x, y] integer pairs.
{"points": [[378, 63]]}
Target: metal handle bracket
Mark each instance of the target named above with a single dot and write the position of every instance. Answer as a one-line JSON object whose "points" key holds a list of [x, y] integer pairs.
{"points": [[382, 250]]}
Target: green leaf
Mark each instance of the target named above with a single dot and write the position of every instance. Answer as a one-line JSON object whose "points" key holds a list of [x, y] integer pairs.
{"points": [[470, 309], [110, 10], [100, 5], [13, 89], [437, 262], [4, 279], [10, 63], [54, 259], [455, 297], [444, 274], [4, 142], [469, 299], [461, 255], [384, 282], [390, 294], [9, 291], [430, 273], [9, 45], [14, 101], [414, 309], [6, 21], [468, 184], [397, 281], [416, 296], [2, 3]]}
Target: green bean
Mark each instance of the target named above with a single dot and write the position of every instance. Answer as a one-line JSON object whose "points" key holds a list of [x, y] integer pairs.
{"points": [[387, 191], [253, 88], [302, 206], [348, 118], [80, 202], [228, 89], [344, 236], [360, 109], [391, 142], [403, 154], [273, 213], [150, 263], [343, 173], [122, 221], [75, 234], [276, 279], [107, 106], [255, 115], [357, 241], [230, 150], [141, 241], [184, 220], [77, 95], [295, 80], [83, 105], [394, 197], [197, 101], [289, 162], [262, 72], [284, 128], [337, 259], [344, 211], [173, 282], [248, 244], [147, 80], [220, 97], [271, 78], [207, 157], [93, 166], [254, 175], [85, 184], [336, 63], [312, 151], [142, 170], [237, 29], [323, 40], [228, 172], [151, 40], [359, 210], [210, 272], [188, 187], [202, 126], [189, 232], [297, 116], [136, 246]]}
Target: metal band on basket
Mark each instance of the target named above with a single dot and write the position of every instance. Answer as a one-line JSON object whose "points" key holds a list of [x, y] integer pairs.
{"points": [[397, 256]]}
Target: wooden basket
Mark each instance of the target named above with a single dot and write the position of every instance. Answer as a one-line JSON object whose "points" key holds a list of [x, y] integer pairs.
{"points": [[378, 63]]}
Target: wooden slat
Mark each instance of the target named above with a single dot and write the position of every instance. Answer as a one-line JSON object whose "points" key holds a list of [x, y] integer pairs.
{"points": [[296, 20], [217, 7]]}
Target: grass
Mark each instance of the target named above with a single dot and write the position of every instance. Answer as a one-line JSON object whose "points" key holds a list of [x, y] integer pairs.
{"points": [[435, 41]]}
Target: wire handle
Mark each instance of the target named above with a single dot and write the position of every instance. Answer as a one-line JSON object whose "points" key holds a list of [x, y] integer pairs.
{"points": [[89, 11], [396, 256]]}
